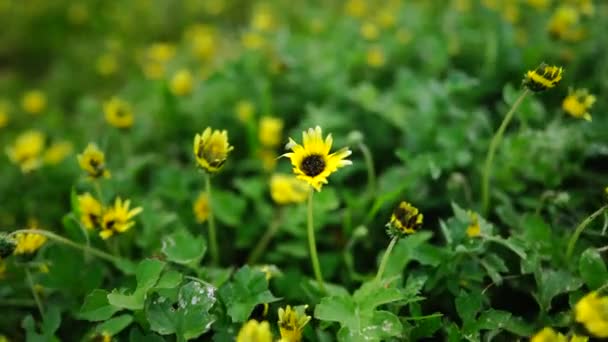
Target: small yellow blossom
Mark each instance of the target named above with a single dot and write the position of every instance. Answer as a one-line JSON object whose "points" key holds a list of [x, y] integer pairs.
{"points": [[28, 243], [33, 102], [57, 152], [214, 7], [263, 19], [375, 57], [270, 131], [386, 18], [203, 40], [548, 335], [92, 161], [161, 52], [292, 322], [244, 110], [201, 207], [253, 40], [107, 64], [590, 311], [287, 189], [370, 31], [405, 219], [564, 24], [539, 4], [117, 219], [90, 210], [211, 149], [542, 78], [118, 113], [578, 103], [473, 230], [253, 331], [26, 151], [463, 6], [181, 83], [355, 8]]}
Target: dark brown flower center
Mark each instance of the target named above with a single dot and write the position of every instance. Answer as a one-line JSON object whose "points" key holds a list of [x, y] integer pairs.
{"points": [[313, 165]]}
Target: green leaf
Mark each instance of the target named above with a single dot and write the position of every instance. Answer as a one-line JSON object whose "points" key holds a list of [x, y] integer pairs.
{"points": [[181, 247], [468, 305], [96, 307], [66, 272], [497, 320], [552, 283], [228, 207], [248, 289], [135, 335], [592, 269], [147, 274], [114, 325]]}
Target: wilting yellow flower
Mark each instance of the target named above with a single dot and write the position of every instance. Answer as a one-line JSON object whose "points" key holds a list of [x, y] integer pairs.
{"points": [[287, 189], [26, 151], [118, 113], [201, 207], [312, 161], [542, 78], [181, 83], [28, 243], [375, 57], [270, 131], [33, 102], [590, 311], [406, 219], [211, 149], [369, 31], [57, 152], [355, 8], [291, 323], [473, 230], [564, 24], [253, 40], [253, 331], [578, 103], [92, 161], [244, 110], [107, 64], [90, 210], [117, 219]]}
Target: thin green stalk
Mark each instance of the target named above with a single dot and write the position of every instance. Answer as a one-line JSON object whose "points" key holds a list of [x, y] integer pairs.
{"points": [[580, 228], [371, 172], [30, 283], [312, 245], [98, 191], [17, 302], [260, 248], [384, 261], [496, 139], [215, 256]]}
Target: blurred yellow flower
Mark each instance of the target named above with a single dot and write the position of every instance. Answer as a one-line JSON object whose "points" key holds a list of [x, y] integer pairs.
{"points": [[263, 19], [405, 219], [213, 7], [268, 158], [244, 110], [287, 189], [203, 40], [564, 24], [118, 113], [253, 40], [270, 131], [28, 243], [92, 161], [291, 323], [57, 152], [117, 219], [26, 150], [33, 102], [181, 83], [386, 18], [355, 8], [375, 57], [211, 149], [107, 64], [253, 331], [90, 210], [201, 207], [154, 70], [578, 103], [542, 78], [539, 4], [548, 335], [369, 31], [473, 230], [161, 52], [462, 5], [590, 311]]}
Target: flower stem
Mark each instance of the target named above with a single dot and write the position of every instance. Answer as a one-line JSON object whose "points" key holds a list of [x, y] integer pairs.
{"points": [[579, 229], [215, 257], [496, 139], [384, 261], [371, 172], [30, 283], [312, 245], [259, 249]]}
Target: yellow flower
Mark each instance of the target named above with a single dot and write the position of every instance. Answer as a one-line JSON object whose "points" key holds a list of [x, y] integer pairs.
{"points": [[57, 152], [28, 243], [154, 70], [92, 161], [578, 103], [161, 52], [202, 39], [548, 335], [90, 211], [211, 149], [375, 57], [287, 189], [355, 8], [591, 311], [33, 102], [406, 219], [369, 31], [291, 323], [26, 151], [542, 78], [473, 230], [253, 331], [201, 207], [253, 40], [386, 18], [539, 4], [244, 110], [107, 64], [117, 219], [270, 131], [312, 161], [263, 19], [564, 24], [181, 83], [118, 113]]}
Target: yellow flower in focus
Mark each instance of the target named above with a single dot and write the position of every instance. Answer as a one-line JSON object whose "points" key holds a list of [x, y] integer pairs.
{"points": [[181, 83], [287, 189], [270, 131], [90, 210], [591, 311], [405, 219], [26, 151], [118, 113], [57, 152], [117, 219], [375, 57], [578, 103], [244, 110], [542, 78], [291, 323], [473, 230], [253, 40], [548, 335], [369, 31], [33, 102], [92, 161], [211, 149], [355, 8], [253, 331], [312, 161], [107, 64], [28, 243], [564, 24], [201, 208]]}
